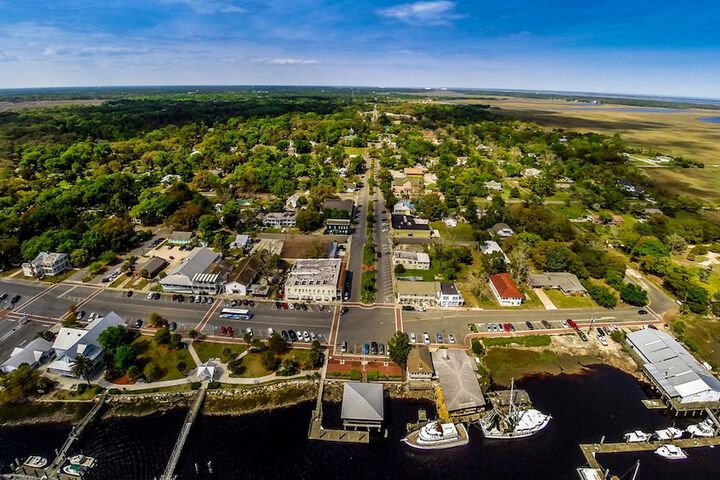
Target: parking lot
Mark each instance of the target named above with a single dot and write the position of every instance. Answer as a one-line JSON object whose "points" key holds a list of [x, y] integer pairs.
{"points": [[359, 326], [56, 302], [316, 319], [14, 334]]}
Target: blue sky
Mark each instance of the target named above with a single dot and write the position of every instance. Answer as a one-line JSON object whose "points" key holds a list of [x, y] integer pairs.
{"points": [[629, 46]]}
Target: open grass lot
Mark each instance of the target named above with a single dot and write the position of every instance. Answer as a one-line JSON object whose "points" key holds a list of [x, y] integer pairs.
{"points": [[569, 301], [356, 150], [461, 233], [254, 367], [208, 350], [700, 334], [678, 133], [526, 341], [166, 359]]}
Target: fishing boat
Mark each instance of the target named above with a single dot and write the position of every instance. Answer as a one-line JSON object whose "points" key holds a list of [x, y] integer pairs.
{"points": [[671, 452], [636, 437], [438, 435], [518, 422], [82, 461], [586, 473], [670, 433], [702, 429]]}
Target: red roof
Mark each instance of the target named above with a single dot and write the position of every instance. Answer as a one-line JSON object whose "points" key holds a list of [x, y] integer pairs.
{"points": [[505, 286]]}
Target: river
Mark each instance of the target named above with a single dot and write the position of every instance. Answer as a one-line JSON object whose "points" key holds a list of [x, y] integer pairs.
{"points": [[273, 445]]}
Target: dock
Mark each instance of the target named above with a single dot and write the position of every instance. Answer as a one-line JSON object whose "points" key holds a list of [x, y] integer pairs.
{"points": [[169, 472], [589, 450]]}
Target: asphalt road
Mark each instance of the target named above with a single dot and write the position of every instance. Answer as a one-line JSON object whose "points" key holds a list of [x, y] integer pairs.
{"points": [[358, 326], [56, 302], [383, 265], [13, 334], [355, 259]]}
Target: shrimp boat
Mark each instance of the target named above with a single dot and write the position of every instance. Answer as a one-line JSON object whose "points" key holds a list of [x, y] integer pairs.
{"points": [[436, 435], [515, 421]]}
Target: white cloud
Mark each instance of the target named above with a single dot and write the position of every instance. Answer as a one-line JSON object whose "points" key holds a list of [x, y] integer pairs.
{"points": [[70, 50], [208, 7], [291, 61], [438, 12]]}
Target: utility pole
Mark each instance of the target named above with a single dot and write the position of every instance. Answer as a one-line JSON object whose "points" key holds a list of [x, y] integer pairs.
{"points": [[592, 321]]}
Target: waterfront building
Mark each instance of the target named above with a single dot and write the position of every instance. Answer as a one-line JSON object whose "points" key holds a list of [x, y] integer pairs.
{"points": [[419, 364], [33, 354], [461, 391], [363, 405]]}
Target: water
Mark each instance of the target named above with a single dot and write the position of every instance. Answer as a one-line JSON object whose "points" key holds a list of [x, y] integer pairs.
{"points": [[37, 439], [273, 445], [710, 119]]}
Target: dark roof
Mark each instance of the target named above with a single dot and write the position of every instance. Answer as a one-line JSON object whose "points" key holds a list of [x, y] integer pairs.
{"points": [[337, 221], [337, 204], [154, 265], [448, 288], [407, 222], [245, 272]]}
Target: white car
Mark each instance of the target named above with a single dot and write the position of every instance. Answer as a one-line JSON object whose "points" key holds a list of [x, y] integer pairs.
{"points": [[270, 331], [426, 338], [564, 324], [451, 337], [149, 296], [291, 306], [413, 338], [306, 336]]}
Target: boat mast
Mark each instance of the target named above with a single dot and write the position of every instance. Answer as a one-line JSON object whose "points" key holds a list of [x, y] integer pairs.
{"points": [[637, 467], [512, 403]]}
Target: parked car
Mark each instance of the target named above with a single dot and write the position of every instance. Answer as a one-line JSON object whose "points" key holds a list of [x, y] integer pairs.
{"points": [[306, 336], [223, 330], [138, 323], [270, 331], [582, 335], [173, 326], [381, 349], [250, 331], [292, 335], [413, 338], [313, 337], [149, 296], [426, 338], [439, 338], [408, 308], [529, 325], [506, 327], [572, 324], [546, 324], [564, 324], [366, 349], [512, 327], [343, 348], [285, 306], [284, 335], [304, 307], [129, 293], [642, 311], [80, 315], [3, 296], [451, 337], [373, 348], [230, 332], [278, 305], [156, 295]]}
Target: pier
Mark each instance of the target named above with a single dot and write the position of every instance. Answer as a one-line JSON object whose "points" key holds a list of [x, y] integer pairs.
{"points": [[169, 472]]}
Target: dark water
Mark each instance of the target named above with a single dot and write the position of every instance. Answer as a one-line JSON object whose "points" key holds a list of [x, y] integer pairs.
{"points": [[273, 445], [38, 439], [710, 119]]}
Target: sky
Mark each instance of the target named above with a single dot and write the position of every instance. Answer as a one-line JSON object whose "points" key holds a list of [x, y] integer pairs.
{"points": [[653, 47]]}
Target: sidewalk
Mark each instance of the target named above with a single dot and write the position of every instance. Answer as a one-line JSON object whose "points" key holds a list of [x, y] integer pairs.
{"points": [[542, 296]]}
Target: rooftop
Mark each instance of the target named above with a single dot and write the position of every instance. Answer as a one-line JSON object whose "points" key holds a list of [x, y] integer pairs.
{"points": [[505, 286], [419, 360], [448, 288], [421, 257], [178, 236], [458, 380], [363, 401], [408, 222], [566, 281], [315, 271]]}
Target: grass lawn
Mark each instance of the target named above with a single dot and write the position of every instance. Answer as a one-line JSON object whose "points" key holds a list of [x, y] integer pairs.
{"points": [[356, 150], [166, 359], [254, 367], [208, 350], [122, 278], [571, 211], [525, 341], [60, 278], [462, 233], [569, 301], [88, 394], [700, 334]]}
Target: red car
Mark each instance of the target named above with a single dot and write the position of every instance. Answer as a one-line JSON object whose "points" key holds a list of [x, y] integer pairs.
{"points": [[230, 332], [223, 330], [572, 324], [285, 306], [507, 327]]}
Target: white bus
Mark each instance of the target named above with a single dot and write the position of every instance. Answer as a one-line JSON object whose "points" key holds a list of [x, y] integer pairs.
{"points": [[236, 313]]}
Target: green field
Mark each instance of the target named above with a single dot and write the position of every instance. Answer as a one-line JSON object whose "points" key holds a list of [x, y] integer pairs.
{"points": [[208, 350], [462, 233], [166, 359], [561, 300], [524, 341], [252, 362]]}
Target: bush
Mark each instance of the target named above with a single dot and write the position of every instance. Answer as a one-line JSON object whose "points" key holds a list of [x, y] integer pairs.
{"points": [[355, 375], [82, 388], [634, 295], [602, 296], [477, 347], [473, 328], [618, 336], [373, 375], [162, 336], [181, 366], [151, 372], [195, 386], [213, 385], [133, 372], [114, 391]]}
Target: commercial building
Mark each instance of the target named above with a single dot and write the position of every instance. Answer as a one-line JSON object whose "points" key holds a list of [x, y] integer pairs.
{"points": [[201, 272], [416, 293], [506, 292], [409, 226], [449, 296], [412, 260], [338, 226], [33, 354], [46, 264], [180, 238], [567, 283], [242, 276], [683, 383], [363, 405], [314, 279], [461, 391], [71, 342], [419, 364], [152, 267], [279, 219]]}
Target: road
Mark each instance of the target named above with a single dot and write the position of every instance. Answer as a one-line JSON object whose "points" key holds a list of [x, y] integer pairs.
{"points": [[383, 265], [660, 302], [360, 325], [359, 237]]}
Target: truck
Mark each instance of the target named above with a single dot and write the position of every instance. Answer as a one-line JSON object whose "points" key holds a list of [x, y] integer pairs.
{"points": [[572, 324]]}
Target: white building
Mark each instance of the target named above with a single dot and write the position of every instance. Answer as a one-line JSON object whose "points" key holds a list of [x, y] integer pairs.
{"points": [[242, 276], [314, 279], [279, 219], [46, 264], [449, 296], [241, 241], [292, 202], [412, 260], [450, 222], [403, 207], [33, 353], [494, 185], [489, 247], [502, 230], [506, 292], [200, 272], [71, 342]]}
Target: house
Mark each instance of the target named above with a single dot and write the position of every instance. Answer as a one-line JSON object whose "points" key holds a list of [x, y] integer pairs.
{"points": [[279, 219], [501, 230], [71, 342], [414, 173], [489, 247], [412, 260], [566, 282], [403, 207], [152, 267], [419, 364], [685, 384], [630, 187], [337, 226], [314, 279], [196, 274], [450, 222], [406, 187], [47, 264], [170, 178], [33, 354], [494, 185], [241, 241], [506, 292], [336, 205], [350, 187], [180, 238], [449, 296], [461, 391], [363, 405], [416, 293], [531, 172], [292, 203], [409, 226], [242, 276]]}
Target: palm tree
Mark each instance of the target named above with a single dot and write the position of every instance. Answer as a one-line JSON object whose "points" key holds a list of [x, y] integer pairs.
{"points": [[81, 366]]}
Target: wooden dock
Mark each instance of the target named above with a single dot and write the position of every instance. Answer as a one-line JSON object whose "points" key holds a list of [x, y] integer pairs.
{"points": [[169, 472], [589, 450], [654, 404]]}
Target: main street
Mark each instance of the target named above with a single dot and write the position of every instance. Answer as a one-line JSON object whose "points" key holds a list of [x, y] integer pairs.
{"points": [[359, 237]]}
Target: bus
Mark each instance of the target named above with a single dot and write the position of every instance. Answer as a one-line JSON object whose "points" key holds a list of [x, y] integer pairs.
{"points": [[236, 313]]}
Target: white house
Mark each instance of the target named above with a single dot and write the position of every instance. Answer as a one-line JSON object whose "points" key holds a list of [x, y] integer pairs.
{"points": [[489, 247], [279, 219], [32, 354], [242, 276], [292, 202], [241, 241], [506, 292], [502, 230], [46, 264], [403, 207], [412, 260], [71, 342], [449, 296]]}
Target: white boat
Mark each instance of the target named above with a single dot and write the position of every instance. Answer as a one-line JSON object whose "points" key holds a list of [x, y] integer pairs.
{"points": [[706, 428], [437, 435], [586, 473], [671, 452], [518, 423], [670, 433], [636, 436], [82, 461]]}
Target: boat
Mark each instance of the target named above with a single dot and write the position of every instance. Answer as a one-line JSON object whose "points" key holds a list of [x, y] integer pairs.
{"points": [[706, 428], [636, 436], [82, 461], [437, 435], [670, 433], [516, 423], [671, 452], [586, 473]]}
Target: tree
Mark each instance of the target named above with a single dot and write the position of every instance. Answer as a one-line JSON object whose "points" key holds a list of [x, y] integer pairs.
{"points": [[152, 371], [112, 338], [519, 265], [162, 336], [193, 334], [650, 246], [276, 343], [19, 384], [308, 220], [81, 366], [399, 269], [399, 348], [289, 366], [634, 295], [431, 206], [155, 319], [270, 361], [124, 357], [602, 296], [675, 242]]}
